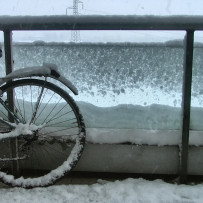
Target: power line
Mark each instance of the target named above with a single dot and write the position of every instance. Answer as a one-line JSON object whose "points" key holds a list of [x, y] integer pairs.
{"points": [[75, 34], [95, 11]]}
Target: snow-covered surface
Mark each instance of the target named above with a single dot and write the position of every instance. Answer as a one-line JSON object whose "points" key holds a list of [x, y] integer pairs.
{"points": [[141, 137], [126, 191], [151, 125], [20, 129]]}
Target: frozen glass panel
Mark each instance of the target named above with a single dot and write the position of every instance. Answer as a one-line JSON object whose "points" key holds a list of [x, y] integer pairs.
{"points": [[128, 92], [196, 133]]}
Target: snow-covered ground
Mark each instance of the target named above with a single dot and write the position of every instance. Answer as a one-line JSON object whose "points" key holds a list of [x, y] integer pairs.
{"points": [[126, 191]]}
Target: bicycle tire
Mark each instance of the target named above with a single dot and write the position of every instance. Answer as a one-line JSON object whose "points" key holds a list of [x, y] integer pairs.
{"points": [[43, 157]]}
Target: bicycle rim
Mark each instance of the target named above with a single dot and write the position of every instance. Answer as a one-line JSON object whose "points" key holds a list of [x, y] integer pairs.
{"points": [[40, 158]]}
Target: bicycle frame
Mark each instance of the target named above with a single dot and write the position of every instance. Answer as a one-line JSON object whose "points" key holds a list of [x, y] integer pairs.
{"points": [[15, 117]]}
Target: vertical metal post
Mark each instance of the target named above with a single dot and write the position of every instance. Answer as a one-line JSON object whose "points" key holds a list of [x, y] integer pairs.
{"points": [[8, 51], [186, 103], [10, 98]]}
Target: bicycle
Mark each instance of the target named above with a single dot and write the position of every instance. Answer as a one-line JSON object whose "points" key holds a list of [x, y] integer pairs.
{"points": [[42, 132]]}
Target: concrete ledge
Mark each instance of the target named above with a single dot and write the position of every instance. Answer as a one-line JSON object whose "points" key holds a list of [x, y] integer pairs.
{"points": [[138, 159], [129, 159], [114, 158]]}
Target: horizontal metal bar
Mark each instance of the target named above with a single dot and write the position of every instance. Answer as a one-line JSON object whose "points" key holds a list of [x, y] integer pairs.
{"points": [[101, 23]]}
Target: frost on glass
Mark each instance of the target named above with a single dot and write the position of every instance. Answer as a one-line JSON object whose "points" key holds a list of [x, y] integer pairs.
{"points": [[127, 86], [109, 75], [196, 126]]}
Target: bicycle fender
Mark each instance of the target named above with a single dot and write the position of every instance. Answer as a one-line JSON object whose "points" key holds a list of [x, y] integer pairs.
{"points": [[46, 70]]}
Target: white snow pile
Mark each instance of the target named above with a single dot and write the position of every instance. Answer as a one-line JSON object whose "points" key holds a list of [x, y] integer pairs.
{"points": [[127, 191]]}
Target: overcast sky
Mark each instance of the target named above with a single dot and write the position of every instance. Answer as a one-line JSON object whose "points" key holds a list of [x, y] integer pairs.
{"points": [[101, 7]]}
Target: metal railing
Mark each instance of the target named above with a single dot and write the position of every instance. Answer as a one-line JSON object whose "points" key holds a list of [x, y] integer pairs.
{"points": [[190, 24]]}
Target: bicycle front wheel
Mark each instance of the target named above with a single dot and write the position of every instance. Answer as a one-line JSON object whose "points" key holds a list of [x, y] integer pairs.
{"points": [[50, 133]]}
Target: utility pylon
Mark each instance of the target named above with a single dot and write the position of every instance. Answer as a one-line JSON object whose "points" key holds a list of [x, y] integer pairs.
{"points": [[75, 34]]}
